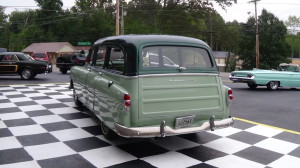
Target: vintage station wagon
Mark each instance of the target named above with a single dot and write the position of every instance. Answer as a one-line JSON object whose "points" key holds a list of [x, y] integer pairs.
{"points": [[152, 86]]}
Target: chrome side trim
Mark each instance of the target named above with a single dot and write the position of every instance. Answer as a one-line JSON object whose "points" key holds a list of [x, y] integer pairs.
{"points": [[180, 74], [159, 131], [155, 75], [242, 79]]}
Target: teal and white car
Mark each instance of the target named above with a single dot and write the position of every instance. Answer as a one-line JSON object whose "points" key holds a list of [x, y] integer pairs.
{"points": [[152, 86], [288, 76]]}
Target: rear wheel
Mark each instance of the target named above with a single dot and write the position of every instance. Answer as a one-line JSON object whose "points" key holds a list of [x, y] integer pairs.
{"points": [[63, 70], [273, 85], [27, 74], [252, 85], [107, 132], [76, 100]]}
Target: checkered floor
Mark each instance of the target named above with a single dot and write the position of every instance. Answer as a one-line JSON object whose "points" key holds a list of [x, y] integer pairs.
{"points": [[41, 127]]}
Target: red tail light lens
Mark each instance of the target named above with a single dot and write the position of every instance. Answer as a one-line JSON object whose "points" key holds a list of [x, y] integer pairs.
{"points": [[127, 100], [230, 94]]}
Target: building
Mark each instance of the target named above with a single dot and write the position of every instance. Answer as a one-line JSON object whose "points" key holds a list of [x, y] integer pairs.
{"points": [[296, 61], [53, 49], [221, 58]]}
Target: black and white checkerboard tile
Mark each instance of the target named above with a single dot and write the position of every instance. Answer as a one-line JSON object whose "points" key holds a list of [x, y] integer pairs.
{"points": [[41, 127]]}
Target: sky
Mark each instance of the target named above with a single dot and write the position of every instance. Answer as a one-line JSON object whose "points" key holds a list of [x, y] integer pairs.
{"points": [[240, 11], [243, 9]]}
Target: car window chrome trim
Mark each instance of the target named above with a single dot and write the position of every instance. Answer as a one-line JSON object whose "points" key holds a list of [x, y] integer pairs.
{"points": [[157, 75], [181, 74]]}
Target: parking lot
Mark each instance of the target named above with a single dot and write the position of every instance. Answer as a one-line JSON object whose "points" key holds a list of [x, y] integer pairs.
{"points": [[40, 126]]}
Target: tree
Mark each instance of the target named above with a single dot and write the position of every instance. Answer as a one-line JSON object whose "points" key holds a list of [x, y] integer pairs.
{"points": [[273, 47], [90, 20], [293, 23], [19, 20], [48, 12], [3, 29]]}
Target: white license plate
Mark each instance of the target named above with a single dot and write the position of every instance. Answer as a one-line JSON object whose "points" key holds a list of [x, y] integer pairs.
{"points": [[182, 122]]}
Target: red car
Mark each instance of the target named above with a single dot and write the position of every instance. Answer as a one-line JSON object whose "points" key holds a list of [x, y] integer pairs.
{"points": [[42, 56]]}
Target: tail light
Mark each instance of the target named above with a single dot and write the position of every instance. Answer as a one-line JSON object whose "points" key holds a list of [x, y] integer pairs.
{"points": [[77, 61], [127, 100], [230, 94]]}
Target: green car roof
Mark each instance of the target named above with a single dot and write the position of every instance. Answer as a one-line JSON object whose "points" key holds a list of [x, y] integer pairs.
{"points": [[138, 40]]}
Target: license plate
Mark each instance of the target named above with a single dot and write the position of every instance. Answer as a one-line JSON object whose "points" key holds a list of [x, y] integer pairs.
{"points": [[182, 122]]}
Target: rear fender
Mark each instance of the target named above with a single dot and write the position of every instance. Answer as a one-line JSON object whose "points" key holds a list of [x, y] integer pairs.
{"points": [[109, 102]]}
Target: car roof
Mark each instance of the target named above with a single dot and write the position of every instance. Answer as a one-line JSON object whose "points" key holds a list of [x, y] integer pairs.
{"points": [[141, 39]]}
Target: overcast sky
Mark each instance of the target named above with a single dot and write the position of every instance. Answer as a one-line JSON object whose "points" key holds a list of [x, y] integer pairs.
{"points": [[240, 11]]}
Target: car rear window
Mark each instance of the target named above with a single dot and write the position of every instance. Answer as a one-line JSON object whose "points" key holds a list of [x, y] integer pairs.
{"points": [[39, 55], [174, 57]]}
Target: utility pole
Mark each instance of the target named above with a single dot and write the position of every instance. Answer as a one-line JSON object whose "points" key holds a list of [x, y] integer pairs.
{"points": [[122, 20], [117, 17], [256, 34]]}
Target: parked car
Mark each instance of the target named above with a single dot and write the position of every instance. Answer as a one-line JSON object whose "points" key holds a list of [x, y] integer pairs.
{"points": [[3, 50], [67, 61], [287, 76], [133, 98], [17, 63], [42, 56]]}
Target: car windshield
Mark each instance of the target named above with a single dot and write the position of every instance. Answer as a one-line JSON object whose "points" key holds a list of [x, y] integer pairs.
{"points": [[174, 57], [25, 57], [287, 67]]}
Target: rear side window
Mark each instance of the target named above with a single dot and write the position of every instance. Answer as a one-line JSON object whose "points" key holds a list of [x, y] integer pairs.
{"points": [[100, 56], [115, 60], [8, 58], [175, 57], [110, 58]]}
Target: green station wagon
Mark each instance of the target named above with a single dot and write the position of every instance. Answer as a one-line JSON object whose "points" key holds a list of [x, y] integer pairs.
{"points": [[152, 86]]}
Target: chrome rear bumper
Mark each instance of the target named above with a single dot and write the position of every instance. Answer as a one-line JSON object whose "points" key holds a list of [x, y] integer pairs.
{"points": [[162, 130]]}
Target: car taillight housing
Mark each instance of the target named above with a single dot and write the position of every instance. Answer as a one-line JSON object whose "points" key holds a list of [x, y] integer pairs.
{"points": [[249, 76], [126, 99], [230, 94]]}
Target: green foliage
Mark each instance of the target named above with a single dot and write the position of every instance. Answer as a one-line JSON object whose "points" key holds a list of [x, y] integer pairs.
{"points": [[293, 23], [90, 20], [272, 45], [294, 43], [3, 29], [293, 39]]}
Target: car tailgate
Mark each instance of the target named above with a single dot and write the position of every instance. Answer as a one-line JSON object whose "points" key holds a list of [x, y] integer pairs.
{"points": [[166, 97]]}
